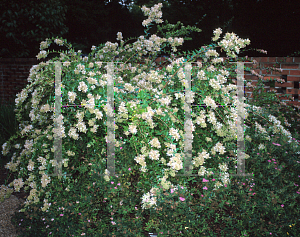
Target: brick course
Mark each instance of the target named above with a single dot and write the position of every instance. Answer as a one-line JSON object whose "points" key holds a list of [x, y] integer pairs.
{"points": [[15, 71]]}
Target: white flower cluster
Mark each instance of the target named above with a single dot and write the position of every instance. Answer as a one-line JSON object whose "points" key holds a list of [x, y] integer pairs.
{"points": [[175, 42], [174, 133], [176, 162], [231, 42], [154, 154], [120, 37], [17, 183], [28, 144], [171, 150], [26, 129], [129, 87], [141, 160], [149, 199], [210, 102], [123, 110], [155, 143], [132, 129], [165, 101], [21, 97], [219, 148], [45, 180], [109, 46], [211, 53], [66, 64], [59, 42], [45, 108], [201, 75], [154, 14], [30, 166], [148, 115], [217, 33], [90, 104], [82, 87], [214, 84], [42, 54], [217, 60], [44, 45], [200, 120], [80, 69], [72, 96], [223, 167], [46, 205], [72, 133]]}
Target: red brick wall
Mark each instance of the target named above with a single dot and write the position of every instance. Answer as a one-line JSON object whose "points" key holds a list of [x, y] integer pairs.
{"points": [[290, 74], [15, 71]]}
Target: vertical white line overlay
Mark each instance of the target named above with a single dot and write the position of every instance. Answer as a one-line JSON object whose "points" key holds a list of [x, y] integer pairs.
{"points": [[240, 122], [57, 122], [188, 141], [57, 143], [110, 120], [187, 124]]}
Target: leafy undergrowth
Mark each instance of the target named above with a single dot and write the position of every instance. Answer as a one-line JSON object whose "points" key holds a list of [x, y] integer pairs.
{"points": [[262, 207], [265, 206]]}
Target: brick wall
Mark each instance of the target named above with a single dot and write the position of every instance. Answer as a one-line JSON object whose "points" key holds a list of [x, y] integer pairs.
{"points": [[290, 74], [13, 76], [15, 71]]}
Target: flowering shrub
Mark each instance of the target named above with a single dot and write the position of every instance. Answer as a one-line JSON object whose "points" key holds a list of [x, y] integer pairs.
{"points": [[150, 143]]}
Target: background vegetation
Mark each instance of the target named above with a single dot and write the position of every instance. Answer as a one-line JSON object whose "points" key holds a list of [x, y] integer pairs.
{"points": [[24, 24]]}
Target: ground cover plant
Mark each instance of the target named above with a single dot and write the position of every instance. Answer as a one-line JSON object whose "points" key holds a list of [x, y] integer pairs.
{"points": [[93, 205]]}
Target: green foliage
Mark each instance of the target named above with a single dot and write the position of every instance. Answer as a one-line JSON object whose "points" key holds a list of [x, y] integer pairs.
{"points": [[170, 30]]}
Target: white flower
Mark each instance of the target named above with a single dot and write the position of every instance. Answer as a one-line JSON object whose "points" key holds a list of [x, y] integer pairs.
{"points": [[122, 108], [202, 171], [81, 127], [174, 133], [261, 146], [133, 129], [120, 37], [155, 143], [58, 42], [223, 167], [30, 166], [154, 155], [98, 113], [45, 180], [42, 54], [198, 161], [44, 45], [72, 96], [72, 133], [82, 87]]}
